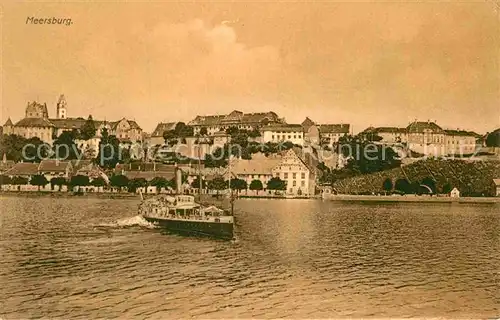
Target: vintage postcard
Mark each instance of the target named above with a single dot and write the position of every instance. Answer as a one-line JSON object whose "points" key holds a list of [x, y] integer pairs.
{"points": [[250, 160]]}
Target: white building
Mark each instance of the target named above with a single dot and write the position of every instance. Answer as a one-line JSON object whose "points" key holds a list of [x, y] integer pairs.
{"points": [[455, 193], [427, 138], [287, 166], [283, 132], [238, 119], [331, 133]]}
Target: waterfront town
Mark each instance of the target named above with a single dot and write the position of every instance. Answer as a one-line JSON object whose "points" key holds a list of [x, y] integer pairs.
{"points": [[261, 154]]}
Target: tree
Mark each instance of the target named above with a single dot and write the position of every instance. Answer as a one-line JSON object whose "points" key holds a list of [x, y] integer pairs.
{"points": [[35, 150], [159, 183], [493, 139], [18, 148], [387, 185], [17, 180], [217, 183], [98, 182], [136, 183], [254, 133], [57, 181], [109, 153], [39, 180], [238, 184], [170, 138], [182, 130], [275, 183], [416, 188], [256, 185], [446, 188], [429, 182], [120, 181], [89, 153], [65, 147], [403, 186], [365, 156], [196, 183], [12, 145], [4, 180], [203, 131], [88, 130], [79, 181], [219, 158]]}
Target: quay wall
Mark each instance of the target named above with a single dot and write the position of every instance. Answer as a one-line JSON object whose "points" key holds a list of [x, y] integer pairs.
{"points": [[411, 198]]}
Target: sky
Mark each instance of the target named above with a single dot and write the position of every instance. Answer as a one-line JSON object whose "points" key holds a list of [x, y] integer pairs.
{"points": [[363, 63]]}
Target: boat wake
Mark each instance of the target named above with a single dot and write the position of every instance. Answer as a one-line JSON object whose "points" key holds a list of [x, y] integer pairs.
{"points": [[129, 222]]}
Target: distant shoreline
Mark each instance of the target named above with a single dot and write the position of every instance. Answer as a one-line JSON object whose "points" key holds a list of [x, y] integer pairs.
{"points": [[411, 198], [33, 194], [341, 198]]}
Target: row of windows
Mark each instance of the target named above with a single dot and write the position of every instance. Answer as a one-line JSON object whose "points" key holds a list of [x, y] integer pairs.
{"points": [[302, 183], [278, 137], [294, 175]]}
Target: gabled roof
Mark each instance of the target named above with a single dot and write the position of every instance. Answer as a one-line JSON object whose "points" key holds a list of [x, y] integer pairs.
{"points": [[34, 122], [421, 126], [496, 182], [263, 166], [334, 128], [307, 123], [162, 127], [131, 123], [54, 166], [23, 169], [79, 164], [8, 122]]}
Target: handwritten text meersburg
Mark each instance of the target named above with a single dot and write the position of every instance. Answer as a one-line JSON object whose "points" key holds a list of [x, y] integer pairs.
{"points": [[33, 20]]}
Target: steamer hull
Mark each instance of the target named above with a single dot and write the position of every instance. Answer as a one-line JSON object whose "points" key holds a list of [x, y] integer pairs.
{"points": [[219, 230]]}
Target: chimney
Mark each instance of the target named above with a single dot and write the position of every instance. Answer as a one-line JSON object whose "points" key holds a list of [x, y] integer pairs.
{"points": [[178, 180]]}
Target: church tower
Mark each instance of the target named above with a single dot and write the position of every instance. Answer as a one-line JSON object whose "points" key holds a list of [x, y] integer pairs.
{"points": [[61, 107]]}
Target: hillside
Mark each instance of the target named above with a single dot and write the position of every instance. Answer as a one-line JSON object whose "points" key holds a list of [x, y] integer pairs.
{"points": [[470, 177]]}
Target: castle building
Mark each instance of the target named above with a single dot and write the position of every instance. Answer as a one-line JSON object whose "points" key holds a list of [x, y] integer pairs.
{"points": [[37, 123], [427, 138], [238, 119]]}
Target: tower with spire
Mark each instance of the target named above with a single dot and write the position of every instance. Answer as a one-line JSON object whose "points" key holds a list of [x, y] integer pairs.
{"points": [[61, 107]]}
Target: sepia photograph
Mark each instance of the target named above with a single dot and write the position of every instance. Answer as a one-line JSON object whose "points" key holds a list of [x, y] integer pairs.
{"points": [[250, 159]]}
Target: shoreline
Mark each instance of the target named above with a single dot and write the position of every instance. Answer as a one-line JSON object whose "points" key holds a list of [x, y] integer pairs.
{"points": [[33, 194], [411, 198], [330, 197]]}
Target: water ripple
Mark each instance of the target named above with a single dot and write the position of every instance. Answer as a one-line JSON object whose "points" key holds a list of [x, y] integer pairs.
{"points": [[93, 258]]}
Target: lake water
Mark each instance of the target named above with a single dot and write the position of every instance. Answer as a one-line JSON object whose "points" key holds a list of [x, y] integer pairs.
{"points": [[93, 258]]}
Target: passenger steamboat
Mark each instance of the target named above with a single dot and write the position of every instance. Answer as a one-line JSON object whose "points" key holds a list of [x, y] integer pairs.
{"points": [[180, 213]]}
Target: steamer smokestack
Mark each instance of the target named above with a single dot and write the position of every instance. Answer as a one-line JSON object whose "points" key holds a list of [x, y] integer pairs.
{"points": [[178, 180]]}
